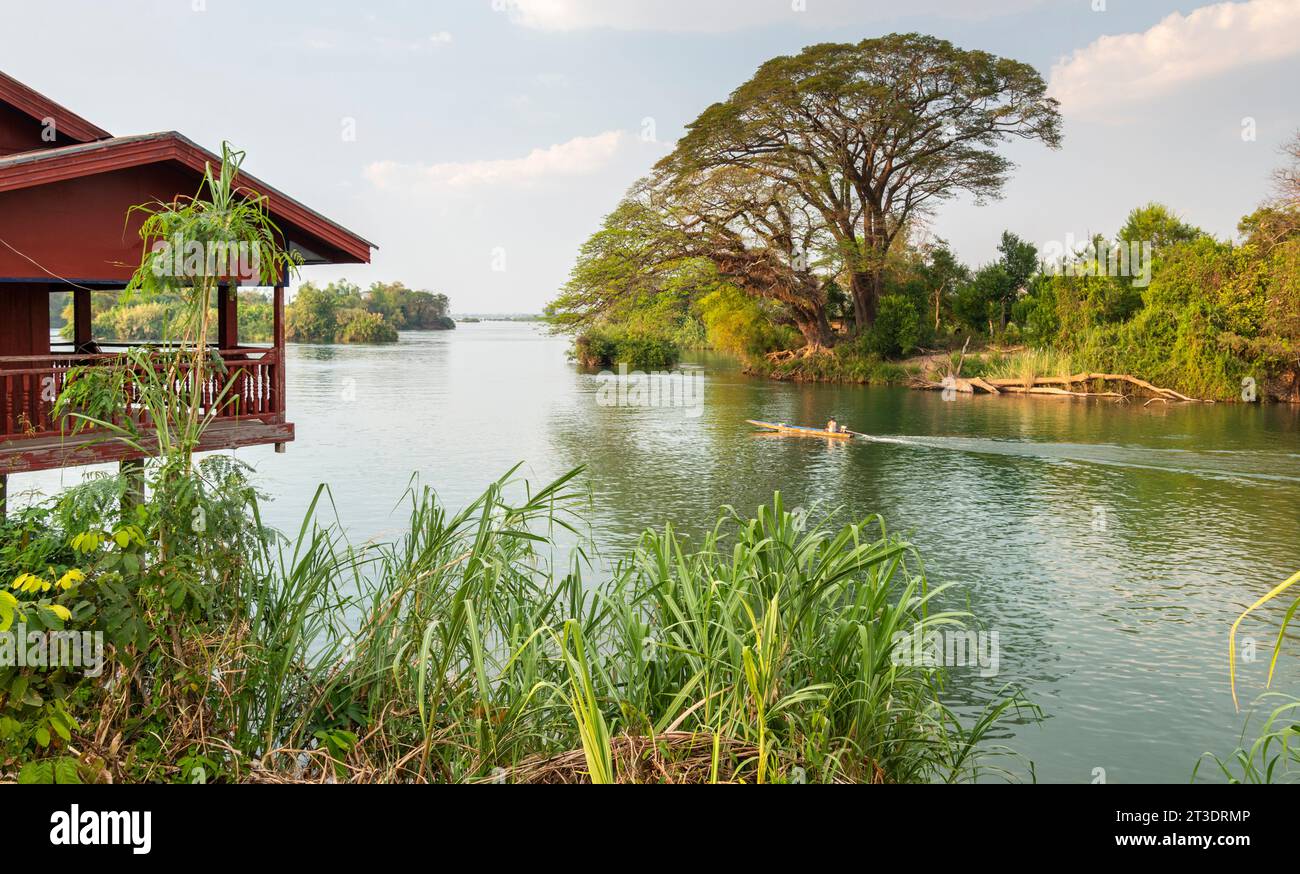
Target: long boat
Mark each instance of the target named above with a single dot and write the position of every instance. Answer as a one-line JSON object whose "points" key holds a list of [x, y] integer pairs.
{"points": [[801, 431]]}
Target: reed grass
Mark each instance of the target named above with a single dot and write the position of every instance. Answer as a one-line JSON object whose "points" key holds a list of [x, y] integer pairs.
{"points": [[1028, 364], [1273, 756], [765, 654]]}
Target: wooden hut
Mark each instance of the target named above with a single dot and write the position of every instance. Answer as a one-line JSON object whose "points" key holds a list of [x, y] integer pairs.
{"points": [[66, 187]]}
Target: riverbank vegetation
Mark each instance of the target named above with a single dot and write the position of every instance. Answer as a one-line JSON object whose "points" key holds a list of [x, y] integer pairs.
{"points": [[789, 228], [766, 653]]}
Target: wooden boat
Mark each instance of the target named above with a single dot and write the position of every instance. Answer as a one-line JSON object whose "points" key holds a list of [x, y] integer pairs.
{"points": [[800, 431]]}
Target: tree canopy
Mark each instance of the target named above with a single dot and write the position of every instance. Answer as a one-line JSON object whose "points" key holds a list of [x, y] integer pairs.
{"points": [[870, 136]]}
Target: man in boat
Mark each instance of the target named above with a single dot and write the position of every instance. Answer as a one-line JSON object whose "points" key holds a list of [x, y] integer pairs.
{"points": [[832, 427]]}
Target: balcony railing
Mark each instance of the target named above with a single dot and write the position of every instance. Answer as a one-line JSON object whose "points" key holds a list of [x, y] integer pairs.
{"points": [[29, 387]]}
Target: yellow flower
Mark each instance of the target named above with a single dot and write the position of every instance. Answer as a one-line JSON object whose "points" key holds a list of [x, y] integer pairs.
{"points": [[70, 579]]}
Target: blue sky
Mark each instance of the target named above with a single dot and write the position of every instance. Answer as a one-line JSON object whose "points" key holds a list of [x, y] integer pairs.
{"points": [[478, 142]]}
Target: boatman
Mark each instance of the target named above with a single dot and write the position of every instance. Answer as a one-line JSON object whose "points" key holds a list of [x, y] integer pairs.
{"points": [[833, 427]]}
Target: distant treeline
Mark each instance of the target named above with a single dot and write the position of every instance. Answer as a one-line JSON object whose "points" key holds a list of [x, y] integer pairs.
{"points": [[343, 313], [338, 313]]}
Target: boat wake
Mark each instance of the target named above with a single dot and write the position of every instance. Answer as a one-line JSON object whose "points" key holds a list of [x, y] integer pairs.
{"points": [[1232, 465]]}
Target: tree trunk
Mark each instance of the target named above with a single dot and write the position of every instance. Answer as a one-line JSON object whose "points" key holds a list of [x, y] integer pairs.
{"points": [[866, 287], [815, 328]]}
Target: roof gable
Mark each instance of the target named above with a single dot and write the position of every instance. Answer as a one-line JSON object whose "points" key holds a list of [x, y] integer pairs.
{"points": [[66, 123]]}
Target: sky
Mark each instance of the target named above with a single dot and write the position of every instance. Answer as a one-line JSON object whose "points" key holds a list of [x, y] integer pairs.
{"points": [[477, 143]]}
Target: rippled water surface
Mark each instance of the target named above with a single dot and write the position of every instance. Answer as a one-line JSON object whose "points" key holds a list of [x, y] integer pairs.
{"points": [[1110, 547]]}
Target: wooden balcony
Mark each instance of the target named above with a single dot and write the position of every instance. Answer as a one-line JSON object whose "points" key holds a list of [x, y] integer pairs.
{"points": [[251, 413]]}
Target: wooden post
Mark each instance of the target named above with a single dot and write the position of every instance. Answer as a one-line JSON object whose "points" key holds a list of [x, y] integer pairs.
{"points": [[228, 317], [278, 307], [133, 471], [82, 329]]}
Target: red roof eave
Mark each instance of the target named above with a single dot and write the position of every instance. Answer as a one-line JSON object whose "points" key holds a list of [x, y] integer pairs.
{"points": [[40, 107], [32, 169]]}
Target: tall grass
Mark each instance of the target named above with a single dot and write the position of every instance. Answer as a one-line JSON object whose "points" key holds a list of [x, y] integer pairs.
{"points": [[1028, 364], [765, 654]]}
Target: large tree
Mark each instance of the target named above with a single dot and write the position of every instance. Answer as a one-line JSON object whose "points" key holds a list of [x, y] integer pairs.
{"points": [[674, 239], [758, 234], [873, 135]]}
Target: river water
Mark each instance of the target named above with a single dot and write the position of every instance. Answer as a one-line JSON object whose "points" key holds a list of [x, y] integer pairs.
{"points": [[1110, 547]]}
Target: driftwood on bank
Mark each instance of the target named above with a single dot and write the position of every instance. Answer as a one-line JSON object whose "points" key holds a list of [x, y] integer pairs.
{"points": [[1060, 386]]}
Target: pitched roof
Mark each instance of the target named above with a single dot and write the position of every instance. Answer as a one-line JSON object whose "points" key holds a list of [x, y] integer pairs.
{"points": [[40, 107], [46, 166]]}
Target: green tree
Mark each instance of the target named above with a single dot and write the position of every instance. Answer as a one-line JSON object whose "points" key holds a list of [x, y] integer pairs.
{"points": [[942, 274], [1019, 263], [979, 301], [1156, 224], [872, 135]]}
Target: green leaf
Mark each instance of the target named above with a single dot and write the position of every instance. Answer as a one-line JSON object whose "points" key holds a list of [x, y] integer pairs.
{"points": [[37, 773], [66, 772], [60, 729]]}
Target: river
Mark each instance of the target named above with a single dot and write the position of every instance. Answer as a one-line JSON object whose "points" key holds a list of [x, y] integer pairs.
{"points": [[1109, 546]]}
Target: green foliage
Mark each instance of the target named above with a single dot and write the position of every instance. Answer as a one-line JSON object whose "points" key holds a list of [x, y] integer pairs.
{"points": [[1213, 315], [623, 282], [811, 120], [897, 329], [784, 629], [779, 191], [342, 313], [408, 310], [742, 326], [360, 326], [979, 301], [605, 347], [138, 320], [1156, 224]]}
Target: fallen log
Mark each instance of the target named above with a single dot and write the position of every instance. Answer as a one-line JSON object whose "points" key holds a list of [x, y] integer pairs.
{"points": [[1078, 378], [1060, 386]]}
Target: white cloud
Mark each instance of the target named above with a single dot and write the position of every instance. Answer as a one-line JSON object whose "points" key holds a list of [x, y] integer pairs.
{"points": [[721, 15], [1181, 49], [580, 156]]}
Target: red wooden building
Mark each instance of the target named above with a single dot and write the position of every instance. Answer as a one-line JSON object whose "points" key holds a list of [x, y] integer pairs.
{"points": [[66, 186]]}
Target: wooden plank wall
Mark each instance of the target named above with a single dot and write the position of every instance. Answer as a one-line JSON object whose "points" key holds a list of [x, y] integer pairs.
{"points": [[24, 319]]}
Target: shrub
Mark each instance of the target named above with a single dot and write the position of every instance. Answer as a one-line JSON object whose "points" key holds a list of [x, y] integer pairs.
{"points": [[359, 326], [601, 347], [897, 329]]}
